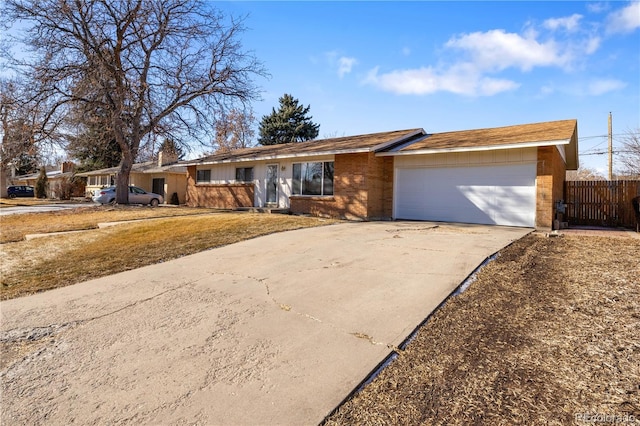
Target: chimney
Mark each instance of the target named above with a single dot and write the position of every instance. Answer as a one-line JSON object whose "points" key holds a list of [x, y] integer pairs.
{"points": [[165, 158], [67, 166]]}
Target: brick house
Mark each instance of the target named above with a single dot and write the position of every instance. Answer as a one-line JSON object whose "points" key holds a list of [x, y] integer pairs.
{"points": [[510, 175], [164, 176]]}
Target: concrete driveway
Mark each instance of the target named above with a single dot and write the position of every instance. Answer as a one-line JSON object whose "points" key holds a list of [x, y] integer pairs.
{"points": [[54, 207], [275, 330]]}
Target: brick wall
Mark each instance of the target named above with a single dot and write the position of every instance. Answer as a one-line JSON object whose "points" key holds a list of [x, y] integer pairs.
{"points": [[549, 185], [222, 196], [349, 199], [380, 185], [362, 189]]}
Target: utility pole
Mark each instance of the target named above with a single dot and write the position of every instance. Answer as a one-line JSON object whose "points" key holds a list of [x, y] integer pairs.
{"points": [[610, 150]]}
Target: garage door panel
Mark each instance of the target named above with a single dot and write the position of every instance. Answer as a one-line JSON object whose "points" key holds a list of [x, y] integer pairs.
{"points": [[503, 195]]}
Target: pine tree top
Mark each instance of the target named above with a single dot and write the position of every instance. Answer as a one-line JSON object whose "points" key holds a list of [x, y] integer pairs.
{"points": [[290, 123]]}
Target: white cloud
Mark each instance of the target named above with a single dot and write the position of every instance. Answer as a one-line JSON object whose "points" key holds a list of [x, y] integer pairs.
{"points": [[625, 20], [498, 50], [600, 87], [569, 23], [594, 7], [592, 44], [546, 91], [424, 81], [477, 59], [345, 64]]}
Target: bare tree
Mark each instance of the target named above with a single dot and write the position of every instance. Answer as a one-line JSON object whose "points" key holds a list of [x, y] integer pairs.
{"points": [[235, 129], [149, 66], [18, 148], [584, 173], [630, 153]]}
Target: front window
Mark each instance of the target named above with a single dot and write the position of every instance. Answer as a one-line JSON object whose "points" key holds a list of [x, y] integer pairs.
{"points": [[203, 176], [244, 174], [313, 178]]}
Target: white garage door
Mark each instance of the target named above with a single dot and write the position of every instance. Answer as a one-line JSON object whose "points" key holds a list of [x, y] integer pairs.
{"points": [[501, 195]]}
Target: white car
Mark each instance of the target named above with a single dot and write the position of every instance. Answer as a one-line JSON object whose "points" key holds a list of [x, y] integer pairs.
{"points": [[136, 196]]}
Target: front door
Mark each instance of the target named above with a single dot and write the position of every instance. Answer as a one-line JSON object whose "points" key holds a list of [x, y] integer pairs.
{"points": [[157, 187], [272, 185]]}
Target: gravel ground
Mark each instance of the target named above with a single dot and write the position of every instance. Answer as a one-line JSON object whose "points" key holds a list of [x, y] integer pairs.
{"points": [[548, 334]]}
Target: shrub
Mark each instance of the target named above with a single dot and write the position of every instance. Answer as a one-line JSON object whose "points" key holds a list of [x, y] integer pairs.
{"points": [[41, 184]]}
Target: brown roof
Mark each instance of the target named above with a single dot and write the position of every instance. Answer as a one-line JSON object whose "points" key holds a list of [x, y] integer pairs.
{"points": [[360, 143], [550, 131], [411, 141], [146, 167]]}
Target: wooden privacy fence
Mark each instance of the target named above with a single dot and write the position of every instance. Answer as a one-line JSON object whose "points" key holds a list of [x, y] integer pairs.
{"points": [[601, 202]]}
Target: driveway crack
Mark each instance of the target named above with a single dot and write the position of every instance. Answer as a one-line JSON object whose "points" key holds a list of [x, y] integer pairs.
{"points": [[33, 334]]}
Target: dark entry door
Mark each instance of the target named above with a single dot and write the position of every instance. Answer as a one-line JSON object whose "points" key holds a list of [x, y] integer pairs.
{"points": [[157, 186]]}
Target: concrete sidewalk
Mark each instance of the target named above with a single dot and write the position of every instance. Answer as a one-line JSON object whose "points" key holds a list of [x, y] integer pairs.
{"points": [[274, 330]]}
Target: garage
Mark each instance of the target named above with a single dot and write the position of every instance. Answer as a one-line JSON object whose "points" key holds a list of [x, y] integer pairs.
{"points": [[486, 194]]}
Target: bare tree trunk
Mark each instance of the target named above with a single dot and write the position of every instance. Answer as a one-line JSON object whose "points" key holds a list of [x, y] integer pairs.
{"points": [[122, 181], [133, 67], [3, 180]]}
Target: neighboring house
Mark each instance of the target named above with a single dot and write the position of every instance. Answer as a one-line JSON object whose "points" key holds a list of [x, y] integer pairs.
{"points": [[506, 176], [57, 181], [164, 177]]}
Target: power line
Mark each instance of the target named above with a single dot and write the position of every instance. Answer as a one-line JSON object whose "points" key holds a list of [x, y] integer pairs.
{"points": [[601, 136], [606, 152]]}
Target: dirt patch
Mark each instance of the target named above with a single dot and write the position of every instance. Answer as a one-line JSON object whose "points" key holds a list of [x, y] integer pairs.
{"points": [[550, 330]]}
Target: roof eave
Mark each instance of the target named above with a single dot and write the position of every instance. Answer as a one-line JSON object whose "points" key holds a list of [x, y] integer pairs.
{"points": [[475, 148], [397, 141], [571, 151], [278, 157]]}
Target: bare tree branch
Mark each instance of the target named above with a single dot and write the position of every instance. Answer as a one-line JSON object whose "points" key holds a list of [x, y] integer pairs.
{"points": [[630, 156], [149, 67]]}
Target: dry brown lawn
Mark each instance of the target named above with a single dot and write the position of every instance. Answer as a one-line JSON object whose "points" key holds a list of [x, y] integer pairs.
{"points": [[549, 330], [12, 202], [41, 264], [15, 227]]}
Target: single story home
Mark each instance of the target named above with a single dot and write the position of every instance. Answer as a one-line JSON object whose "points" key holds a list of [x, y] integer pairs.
{"points": [[510, 175], [60, 183], [164, 177]]}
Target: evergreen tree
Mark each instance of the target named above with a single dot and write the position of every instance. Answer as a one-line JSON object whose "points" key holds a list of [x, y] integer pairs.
{"points": [[42, 183], [289, 124], [92, 155], [172, 147]]}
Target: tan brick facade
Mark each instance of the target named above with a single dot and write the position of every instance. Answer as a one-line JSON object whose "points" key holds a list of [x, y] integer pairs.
{"points": [[223, 196], [362, 188], [550, 178]]}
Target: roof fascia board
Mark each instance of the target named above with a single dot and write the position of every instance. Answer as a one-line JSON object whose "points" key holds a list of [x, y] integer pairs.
{"points": [[475, 148], [279, 157], [396, 141]]}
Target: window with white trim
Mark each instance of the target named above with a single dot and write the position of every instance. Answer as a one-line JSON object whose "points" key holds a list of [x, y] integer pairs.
{"points": [[313, 178], [203, 176]]}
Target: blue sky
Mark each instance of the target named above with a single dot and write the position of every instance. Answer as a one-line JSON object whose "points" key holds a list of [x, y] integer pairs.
{"points": [[378, 66]]}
